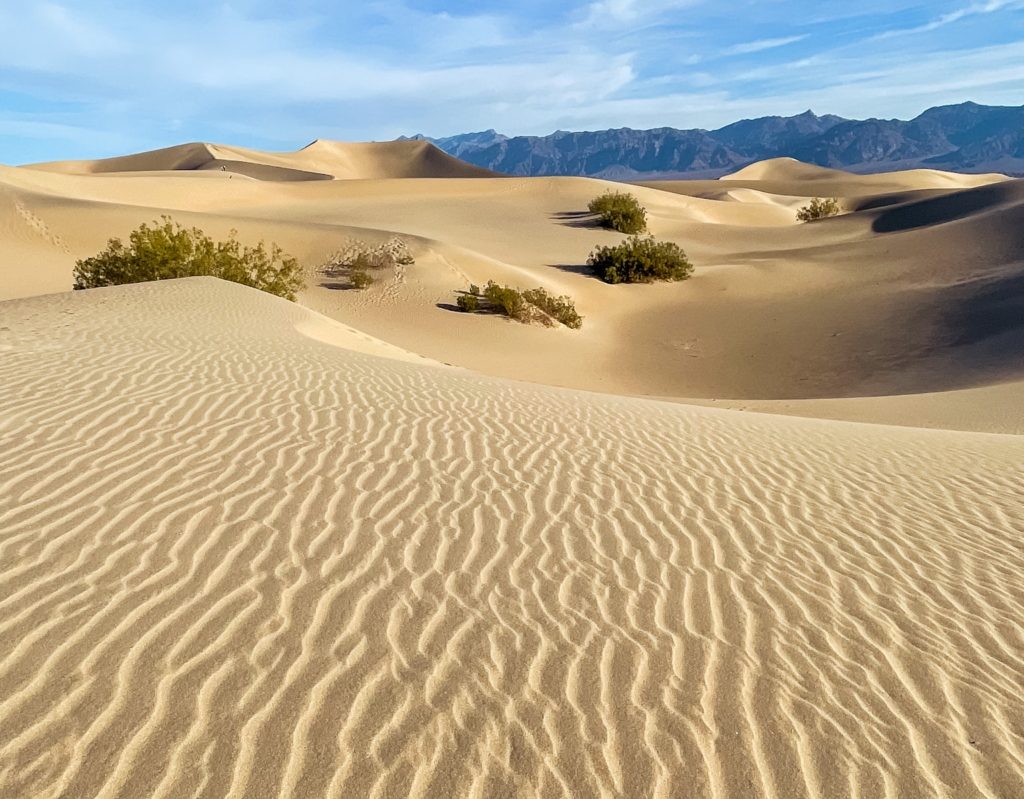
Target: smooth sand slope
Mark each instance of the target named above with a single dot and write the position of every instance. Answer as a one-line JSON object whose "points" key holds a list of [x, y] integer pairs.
{"points": [[239, 561]]}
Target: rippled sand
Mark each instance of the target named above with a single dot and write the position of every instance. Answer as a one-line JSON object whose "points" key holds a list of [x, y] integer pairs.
{"points": [[239, 561]]}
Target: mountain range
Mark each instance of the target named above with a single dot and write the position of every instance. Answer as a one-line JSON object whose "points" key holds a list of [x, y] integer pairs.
{"points": [[960, 138]]}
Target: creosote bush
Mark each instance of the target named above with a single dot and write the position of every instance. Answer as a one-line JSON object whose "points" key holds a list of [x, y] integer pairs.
{"points": [[532, 305], [818, 209], [640, 259], [468, 303], [561, 309], [620, 211], [356, 260], [166, 250], [508, 301]]}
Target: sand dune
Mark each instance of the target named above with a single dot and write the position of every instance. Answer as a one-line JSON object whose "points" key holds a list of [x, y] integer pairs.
{"points": [[782, 170], [909, 295], [320, 160], [786, 178], [238, 561], [252, 550]]}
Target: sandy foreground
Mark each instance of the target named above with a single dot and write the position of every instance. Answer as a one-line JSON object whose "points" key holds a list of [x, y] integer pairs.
{"points": [[253, 548]]}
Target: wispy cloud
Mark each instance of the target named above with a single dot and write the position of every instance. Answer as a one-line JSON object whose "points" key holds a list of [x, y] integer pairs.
{"points": [[761, 45], [950, 17], [78, 79]]}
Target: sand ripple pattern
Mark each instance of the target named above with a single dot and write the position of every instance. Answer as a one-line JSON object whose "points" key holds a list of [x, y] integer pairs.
{"points": [[237, 562]]}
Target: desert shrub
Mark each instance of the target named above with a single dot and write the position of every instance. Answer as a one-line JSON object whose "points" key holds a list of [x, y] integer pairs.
{"points": [[357, 259], [362, 256], [532, 305], [360, 278], [167, 250], [560, 309], [363, 262], [620, 211], [508, 301], [640, 259], [818, 209], [468, 303]]}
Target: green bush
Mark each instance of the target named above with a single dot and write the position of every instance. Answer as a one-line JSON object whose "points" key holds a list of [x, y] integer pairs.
{"points": [[359, 278], [620, 211], [818, 209], [468, 303], [167, 250], [640, 259], [532, 305], [506, 300], [561, 308]]}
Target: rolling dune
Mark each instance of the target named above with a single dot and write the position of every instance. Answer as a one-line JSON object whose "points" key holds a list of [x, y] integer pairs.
{"points": [[320, 160], [785, 177], [239, 561], [916, 292]]}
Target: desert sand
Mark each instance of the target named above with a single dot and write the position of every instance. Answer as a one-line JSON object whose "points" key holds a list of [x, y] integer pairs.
{"points": [[757, 534]]}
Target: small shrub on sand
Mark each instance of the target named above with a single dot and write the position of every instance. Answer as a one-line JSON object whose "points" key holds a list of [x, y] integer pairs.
{"points": [[166, 250], [356, 260], [818, 209], [508, 301], [560, 309], [640, 259], [620, 211], [532, 305], [361, 255], [360, 279]]}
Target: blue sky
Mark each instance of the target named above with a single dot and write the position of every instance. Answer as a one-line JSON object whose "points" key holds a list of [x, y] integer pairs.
{"points": [[97, 78]]}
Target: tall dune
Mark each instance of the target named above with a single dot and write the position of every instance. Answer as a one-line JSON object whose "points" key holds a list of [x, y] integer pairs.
{"points": [[320, 160]]}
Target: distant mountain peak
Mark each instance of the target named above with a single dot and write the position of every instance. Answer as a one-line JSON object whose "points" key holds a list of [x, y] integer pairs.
{"points": [[967, 137]]}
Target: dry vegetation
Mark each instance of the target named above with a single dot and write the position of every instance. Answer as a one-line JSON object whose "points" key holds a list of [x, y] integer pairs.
{"points": [[818, 208], [356, 260], [166, 250], [621, 211], [529, 305], [640, 259]]}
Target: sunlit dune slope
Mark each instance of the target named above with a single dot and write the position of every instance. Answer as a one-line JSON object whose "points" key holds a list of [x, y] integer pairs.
{"points": [[238, 561], [321, 160], [918, 289]]}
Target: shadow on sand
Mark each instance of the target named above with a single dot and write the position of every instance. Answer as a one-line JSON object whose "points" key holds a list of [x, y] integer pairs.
{"points": [[577, 269], [578, 219]]}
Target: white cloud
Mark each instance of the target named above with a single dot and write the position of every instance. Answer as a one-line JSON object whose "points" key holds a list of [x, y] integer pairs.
{"points": [[988, 7], [387, 68], [762, 45]]}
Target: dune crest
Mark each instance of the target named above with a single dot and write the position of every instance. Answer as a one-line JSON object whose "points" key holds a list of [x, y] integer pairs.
{"points": [[789, 171], [781, 169], [319, 160]]}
